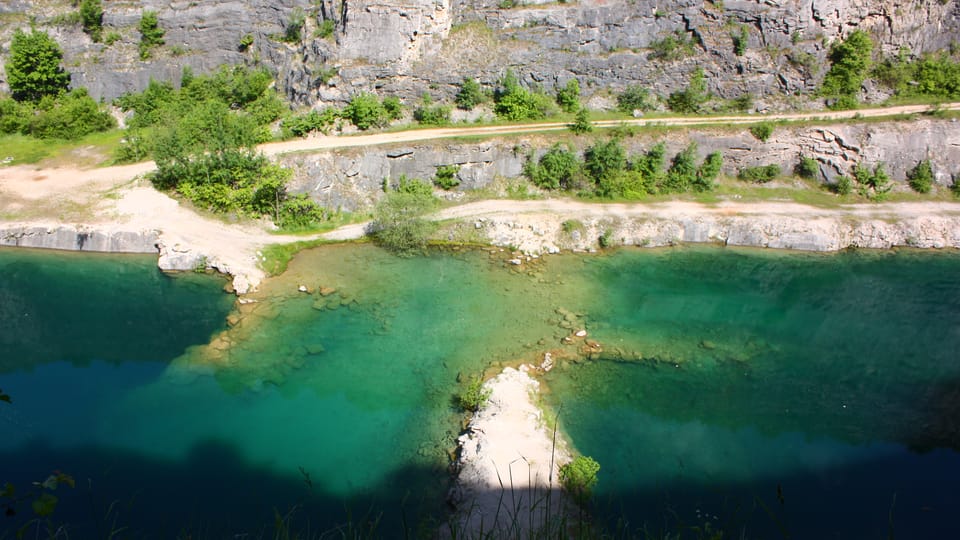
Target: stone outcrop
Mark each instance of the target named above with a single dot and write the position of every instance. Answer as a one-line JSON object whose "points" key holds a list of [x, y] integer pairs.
{"points": [[407, 47], [352, 179]]}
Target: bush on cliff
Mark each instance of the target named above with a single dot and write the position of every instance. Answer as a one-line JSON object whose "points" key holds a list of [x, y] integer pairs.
{"points": [[579, 477]]}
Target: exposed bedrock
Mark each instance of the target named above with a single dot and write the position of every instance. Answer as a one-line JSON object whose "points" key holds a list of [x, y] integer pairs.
{"points": [[407, 47]]}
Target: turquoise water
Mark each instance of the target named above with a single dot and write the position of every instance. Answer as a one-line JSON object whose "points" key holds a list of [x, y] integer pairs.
{"points": [[831, 380], [724, 374]]}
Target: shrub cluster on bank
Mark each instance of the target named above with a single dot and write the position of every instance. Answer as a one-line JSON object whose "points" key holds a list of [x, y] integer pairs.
{"points": [[605, 170]]}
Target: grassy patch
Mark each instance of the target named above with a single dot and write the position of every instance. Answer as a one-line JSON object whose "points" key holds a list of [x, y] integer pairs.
{"points": [[276, 257], [95, 149]]}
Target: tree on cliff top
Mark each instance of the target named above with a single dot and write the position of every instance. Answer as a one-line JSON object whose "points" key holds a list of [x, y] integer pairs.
{"points": [[33, 68]]}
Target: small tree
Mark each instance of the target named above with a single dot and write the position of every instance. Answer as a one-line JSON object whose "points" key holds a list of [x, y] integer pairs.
{"points": [[921, 177], [91, 15], [634, 98], [399, 224], [470, 94], [582, 122], [446, 177], [762, 131], [151, 35], [690, 99], [474, 396], [33, 67], [568, 97], [807, 168], [556, 168], [365, 111], [708, 172], [740, 39], [603, 160], [849, 65]]}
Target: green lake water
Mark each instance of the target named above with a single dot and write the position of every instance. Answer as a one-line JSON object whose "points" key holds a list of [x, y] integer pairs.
{"points": [[724, 376]]}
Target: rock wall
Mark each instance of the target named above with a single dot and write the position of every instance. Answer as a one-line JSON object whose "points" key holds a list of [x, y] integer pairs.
{"points": [[352, 179], [407, 47], [543, 233], [80, 238]]}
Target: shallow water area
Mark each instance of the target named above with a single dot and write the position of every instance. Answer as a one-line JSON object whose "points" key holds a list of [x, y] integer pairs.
{"points": [[708, 377]]}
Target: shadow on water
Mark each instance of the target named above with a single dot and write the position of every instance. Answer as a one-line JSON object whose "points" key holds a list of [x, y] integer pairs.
{"points": [[211, 493], [939, 426]]}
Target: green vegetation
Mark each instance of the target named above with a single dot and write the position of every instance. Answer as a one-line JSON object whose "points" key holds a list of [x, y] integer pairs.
{"points": [[933, 75], [571, 225], [607, 171], [514, 103], [849, 65], [579, 478], [691, 99], [920, 177], [568, 97], [446, 177], [874, 184], [33, 67], [807, 167], [245, 42], [430, 114], [760, 174], [151, 35], [303, 124], [365, 111], [581, 123], [399, 224], [41, 107], [470, 94], [762, 131], [292, 32], [740, 38], [672, 47], [91, 15], [635, 98], [843, 186], [557, 168], [325, 29], [474, 395]]}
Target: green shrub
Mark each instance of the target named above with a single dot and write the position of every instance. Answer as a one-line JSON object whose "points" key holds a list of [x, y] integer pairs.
{"points": [[683, 171], [91, 15], [366, 111], [474, 395], [762, 131], [651, 164], [414, 186], [626, 184], [325, 29], [849, 65], [292, 33], [133, 148], [606, 238], [692, 98], [581, 123], [635, 98], [568, 97], [69, 117], [555, 169], [245, 42], [515, 103], [740, 39], [807, 167], [760, 174], [151, 35], [300, 212], [873, 184], [432, 115], [112, 37], [843, 186], [604, 159], [392, 108], [571, 225], [470, 94], [33, 67], [399, 224], [14, 117], [708, 171], [920, 177], [446, 176], [579, 477], [672, 47], [304, 124], [955, 186], [741, 103]]}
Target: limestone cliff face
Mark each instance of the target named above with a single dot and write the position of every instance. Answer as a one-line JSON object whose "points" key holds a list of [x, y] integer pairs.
{"points": [[351, 179], [407, 47]]}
